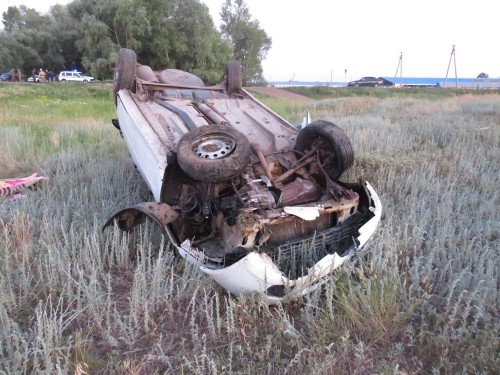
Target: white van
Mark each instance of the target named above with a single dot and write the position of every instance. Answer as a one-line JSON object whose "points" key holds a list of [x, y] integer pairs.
{"points": [[74, 76]]}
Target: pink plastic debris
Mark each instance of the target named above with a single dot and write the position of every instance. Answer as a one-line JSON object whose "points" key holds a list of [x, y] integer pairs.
{"points": [[14, 186]]}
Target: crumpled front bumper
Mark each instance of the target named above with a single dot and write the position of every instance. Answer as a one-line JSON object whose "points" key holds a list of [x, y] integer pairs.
{"points": [[256, 272]]}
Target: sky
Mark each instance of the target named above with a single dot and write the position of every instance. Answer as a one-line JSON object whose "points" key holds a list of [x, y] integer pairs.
{"points": [[319, 40]]}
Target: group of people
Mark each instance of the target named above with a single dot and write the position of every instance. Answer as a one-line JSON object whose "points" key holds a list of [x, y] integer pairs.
{"points": [[15, 75], [44, 76]]}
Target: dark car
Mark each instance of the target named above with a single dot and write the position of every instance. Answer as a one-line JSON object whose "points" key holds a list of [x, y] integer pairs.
{"points": [[370, 82], [5, 77]]}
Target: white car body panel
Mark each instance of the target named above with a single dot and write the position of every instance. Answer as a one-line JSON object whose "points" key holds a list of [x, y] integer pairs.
{"points": [[147, 152]]}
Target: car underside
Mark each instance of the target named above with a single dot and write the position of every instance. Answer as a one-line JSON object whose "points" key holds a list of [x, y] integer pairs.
{"points": [[255, 202]]}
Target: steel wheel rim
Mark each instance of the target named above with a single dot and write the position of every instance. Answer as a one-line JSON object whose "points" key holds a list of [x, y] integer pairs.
{"points": [[214, 147]]}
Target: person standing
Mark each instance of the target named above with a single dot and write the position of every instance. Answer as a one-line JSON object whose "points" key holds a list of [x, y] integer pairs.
{"points": [[41, 75]]}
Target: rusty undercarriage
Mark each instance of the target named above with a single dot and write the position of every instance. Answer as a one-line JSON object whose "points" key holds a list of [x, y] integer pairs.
{"points": [[255, 202]]}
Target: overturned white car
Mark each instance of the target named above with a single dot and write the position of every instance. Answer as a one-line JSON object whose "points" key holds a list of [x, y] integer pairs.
{"points": [[255, 202]]}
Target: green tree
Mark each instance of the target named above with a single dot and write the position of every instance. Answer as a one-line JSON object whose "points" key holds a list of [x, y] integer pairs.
{"points": [[183, 36], [67, 29], [9, 53], [32, 40], [249, 42], [89, 33], [106, 27], [164, 33], [12, 19], [27, 35]]}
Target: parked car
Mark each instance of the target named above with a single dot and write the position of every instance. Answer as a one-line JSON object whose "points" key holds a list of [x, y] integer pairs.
{"points": [[34, 78], [257, 204], [5, 77], [72, 76], [370, 82]]}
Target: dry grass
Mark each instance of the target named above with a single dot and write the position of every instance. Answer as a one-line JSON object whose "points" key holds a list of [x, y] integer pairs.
{"points": [[423, 298]]}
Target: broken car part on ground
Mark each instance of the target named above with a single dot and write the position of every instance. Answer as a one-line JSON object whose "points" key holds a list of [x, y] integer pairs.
{"points": [[255, 202], [13, 186]]}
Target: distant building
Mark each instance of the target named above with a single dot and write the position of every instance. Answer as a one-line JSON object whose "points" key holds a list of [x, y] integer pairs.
{"points": [[475, 83]]}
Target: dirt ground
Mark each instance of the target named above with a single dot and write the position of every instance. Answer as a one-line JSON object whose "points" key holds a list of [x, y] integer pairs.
{"points": [[277, 92]]}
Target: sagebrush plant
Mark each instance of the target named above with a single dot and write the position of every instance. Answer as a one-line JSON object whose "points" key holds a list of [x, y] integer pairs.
{"points": [[422, 298]]}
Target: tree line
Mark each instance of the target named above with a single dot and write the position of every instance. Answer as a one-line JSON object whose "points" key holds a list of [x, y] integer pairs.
{"points": [[180, 34]]}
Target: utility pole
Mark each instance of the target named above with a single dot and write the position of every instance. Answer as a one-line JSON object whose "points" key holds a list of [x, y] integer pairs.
{"points": [[345, 76], [452, 57], [400, 70]]}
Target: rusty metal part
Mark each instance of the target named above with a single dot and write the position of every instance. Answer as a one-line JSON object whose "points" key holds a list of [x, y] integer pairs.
{"points": [[262, 160], [145, 73], [291, 226], [162, 86], [132, 216], [142, 94], [291, 171], [261, 199], [211, 114], [299, 191], [312, 151], [335, 190], [236, 193], [326, 207], [257, 196]]}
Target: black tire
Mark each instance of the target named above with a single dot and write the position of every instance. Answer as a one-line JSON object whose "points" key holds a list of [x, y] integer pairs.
{"points": [[124, 70], [233, 77], [335, 148], [213, 153]]}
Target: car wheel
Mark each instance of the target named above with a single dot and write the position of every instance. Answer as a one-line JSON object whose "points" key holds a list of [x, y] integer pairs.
{"points": [[85, 81], [334, 147], [233, 77], [213, 153], [356, 85], [63, 80], [377, 85], [124, 70]]}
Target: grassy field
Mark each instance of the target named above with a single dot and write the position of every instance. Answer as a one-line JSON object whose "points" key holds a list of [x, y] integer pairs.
{"points": [[423, 298]]}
